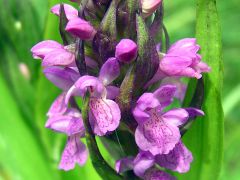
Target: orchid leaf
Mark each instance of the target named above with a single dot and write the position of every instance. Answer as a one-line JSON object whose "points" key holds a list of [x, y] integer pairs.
{"points": [[205, 138]]}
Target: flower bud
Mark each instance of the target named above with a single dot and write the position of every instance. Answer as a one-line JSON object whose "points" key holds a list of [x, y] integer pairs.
{"points": [[149, 6], [126, 50], [81, 28]]}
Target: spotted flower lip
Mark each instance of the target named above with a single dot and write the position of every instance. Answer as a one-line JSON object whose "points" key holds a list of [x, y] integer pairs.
{"points": [[158, 131], [68, 121], [179, 159], [75, 152], [104, 114], [158, 175]]}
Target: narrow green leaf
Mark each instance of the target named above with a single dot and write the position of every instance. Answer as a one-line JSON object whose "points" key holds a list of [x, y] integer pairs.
{"points": [[205, 138]]}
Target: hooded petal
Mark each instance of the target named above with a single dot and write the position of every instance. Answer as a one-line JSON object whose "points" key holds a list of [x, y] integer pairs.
{"points": [[123, 165], [145, 103], [110, 71], [176, 117], [157, 135], [63, 78], [80, 28], [75, 152], [58, 107], [104, 116], [41, 49], [85, 83], [179, 159], [155, 174], [71, 123], [165, 94], [186, 45], [172, 65], [142, 162], [58, 57], [70, 11]]}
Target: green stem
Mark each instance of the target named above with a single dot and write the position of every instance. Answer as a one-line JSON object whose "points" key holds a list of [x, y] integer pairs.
{"points": [[101, 166]]}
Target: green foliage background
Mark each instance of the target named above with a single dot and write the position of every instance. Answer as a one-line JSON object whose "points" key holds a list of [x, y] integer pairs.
{"points": [[28, 150]]}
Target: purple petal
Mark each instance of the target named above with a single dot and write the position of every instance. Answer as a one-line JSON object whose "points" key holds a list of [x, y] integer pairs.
{"points": [[75, 152], [41, 49], [110, 71], [58, 107], [155, 174], [157, 135], [181, 87], [81, 28], [58, 57], [202, 67], [179, 159], [193, 112], [165, 94], [70, 123], [112, 92], [126, 50], [85, 83], [142, 162], [172, 65], [176, 117], [123, 165], [63, 78], [145, 102], [190, 72], [104, 116], [70, 11], [187, 44]]}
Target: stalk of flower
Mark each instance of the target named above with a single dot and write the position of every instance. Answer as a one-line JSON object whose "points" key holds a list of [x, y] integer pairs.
{"points": [[127, 82]]}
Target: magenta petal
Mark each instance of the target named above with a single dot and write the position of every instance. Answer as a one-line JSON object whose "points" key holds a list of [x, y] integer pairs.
{"points": [[165, 94], [142, 162], [112, 92], [110, 71], [187, 44], [155, 174], [193, 112], [104, 116], [179, 159], [172, 65], [58, 107], [81, 28], [145, 102], [157, 135], [70, 11], [41, 49], [176, 117], [63, 78], [58, 57], [75, 152], [123, 165], [71, 123], [90, 83]]}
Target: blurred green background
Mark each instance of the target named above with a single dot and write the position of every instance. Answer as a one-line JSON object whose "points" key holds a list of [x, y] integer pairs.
{"points": [[27, 149]]}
